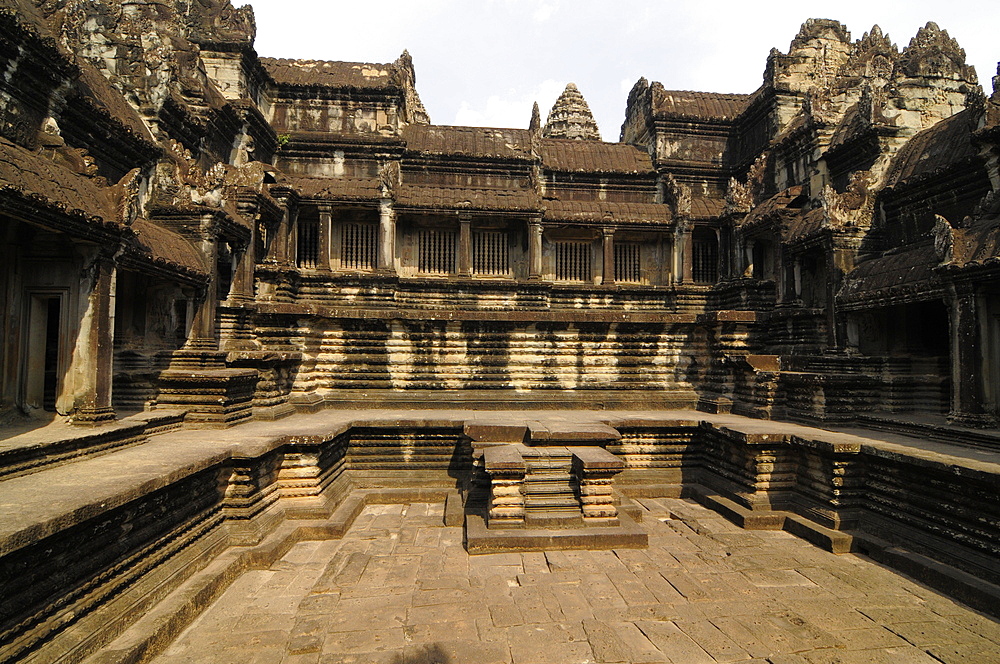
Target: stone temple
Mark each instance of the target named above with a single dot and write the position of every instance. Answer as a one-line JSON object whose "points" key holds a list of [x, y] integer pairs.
{"points": [[285, 360]]}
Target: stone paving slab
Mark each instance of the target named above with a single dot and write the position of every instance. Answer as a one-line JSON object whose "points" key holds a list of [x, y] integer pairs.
{"points": [[703, 592]]}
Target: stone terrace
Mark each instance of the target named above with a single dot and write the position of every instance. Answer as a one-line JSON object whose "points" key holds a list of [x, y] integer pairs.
{"points": [[400, 588], [113, 542]]}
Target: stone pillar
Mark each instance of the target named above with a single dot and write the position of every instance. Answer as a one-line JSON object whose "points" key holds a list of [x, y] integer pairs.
{"points": [[535, 249], [685, 256], [748, 258], [293, 239], [608, 245], [202, 334], [797, 277], [276, 250], [967, 398], [595, 469], [386, 236], [244, 259], [97, 337], [325, 221], [465, 244], [506, 469]]}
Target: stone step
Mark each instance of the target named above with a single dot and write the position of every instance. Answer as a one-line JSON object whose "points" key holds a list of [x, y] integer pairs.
{"points": [[553, 502], [552, 484]]}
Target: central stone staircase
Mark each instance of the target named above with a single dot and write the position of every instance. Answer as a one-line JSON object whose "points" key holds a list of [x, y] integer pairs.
{"points": [[551, 492], [536, 488]]}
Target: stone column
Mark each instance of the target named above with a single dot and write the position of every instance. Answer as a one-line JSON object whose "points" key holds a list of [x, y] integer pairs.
{"points": [[202, 334], [797, 278], [386, 236], [506, 469], [608, 246], [685, 255], [465, 244], [97, 336], [278, 251], [967, 398], [535, 249], [293, 239], [748, 259], [595, 469], [244, 259], [325, 221]]}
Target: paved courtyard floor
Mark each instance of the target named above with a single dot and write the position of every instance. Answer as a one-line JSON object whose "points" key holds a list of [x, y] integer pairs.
{"points": [[400, 589]]}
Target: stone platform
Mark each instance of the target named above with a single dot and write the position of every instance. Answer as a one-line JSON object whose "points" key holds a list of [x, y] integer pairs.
{"points": [[400, 588], [121, 540]]}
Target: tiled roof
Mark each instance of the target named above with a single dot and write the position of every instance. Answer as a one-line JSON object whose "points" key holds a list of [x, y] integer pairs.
{"points": [[329, 74], [904, 276], [789, 199], [934, 149], [96, 87], [805, 224], [704, 207], [977, 245], [563, 154], [436, 197], [606, 211], [164, 247], [333, 188], [468, 141], [699, 105], [32, 175]]}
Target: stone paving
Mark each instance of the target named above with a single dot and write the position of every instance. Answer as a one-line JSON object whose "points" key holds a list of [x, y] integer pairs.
{"points": [[400, 589]]}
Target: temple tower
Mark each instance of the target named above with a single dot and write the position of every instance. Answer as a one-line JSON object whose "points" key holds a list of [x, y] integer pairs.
{"points": [[570, 117]]}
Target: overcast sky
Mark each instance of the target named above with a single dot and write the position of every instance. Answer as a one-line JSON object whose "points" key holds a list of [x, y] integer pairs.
{"points": [[483, 62]]}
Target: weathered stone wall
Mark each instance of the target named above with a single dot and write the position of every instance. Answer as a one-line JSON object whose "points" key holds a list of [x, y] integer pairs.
{"points": [[489, 354]]}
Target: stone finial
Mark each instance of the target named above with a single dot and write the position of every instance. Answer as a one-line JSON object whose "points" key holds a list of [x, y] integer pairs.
{"points": [[536, 119], [406, 77], [932, 53], [570, 117]]}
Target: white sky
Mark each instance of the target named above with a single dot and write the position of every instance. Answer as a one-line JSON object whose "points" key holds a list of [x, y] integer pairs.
{"points": [[483, 62]]}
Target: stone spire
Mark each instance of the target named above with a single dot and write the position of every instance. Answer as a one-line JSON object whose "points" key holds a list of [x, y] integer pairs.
{"points": [[570, 117], [536, 120]]}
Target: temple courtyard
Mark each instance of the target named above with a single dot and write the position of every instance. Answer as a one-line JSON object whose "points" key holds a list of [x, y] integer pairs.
{"points": [[399, 587]]}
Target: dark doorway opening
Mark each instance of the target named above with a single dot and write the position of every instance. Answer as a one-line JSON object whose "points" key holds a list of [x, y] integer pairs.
{"points": [[51, 367]]}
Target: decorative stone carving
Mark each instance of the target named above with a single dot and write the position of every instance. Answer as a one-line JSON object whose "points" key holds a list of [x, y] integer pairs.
{"points": [[943, 239], [933, 53]]}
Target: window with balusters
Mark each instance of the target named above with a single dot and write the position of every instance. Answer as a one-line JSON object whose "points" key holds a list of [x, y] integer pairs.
{"points": [[359, 246], [627, 263], [704, 256], [490, 254], [307, 253], [574, 260], [436, 251]]}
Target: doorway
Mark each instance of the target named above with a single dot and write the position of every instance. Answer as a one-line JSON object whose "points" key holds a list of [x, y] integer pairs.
{"points": [[42, 364]]}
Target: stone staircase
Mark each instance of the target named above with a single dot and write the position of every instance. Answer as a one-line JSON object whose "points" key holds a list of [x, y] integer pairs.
{"points": [[551, 492], [537, 488]]}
